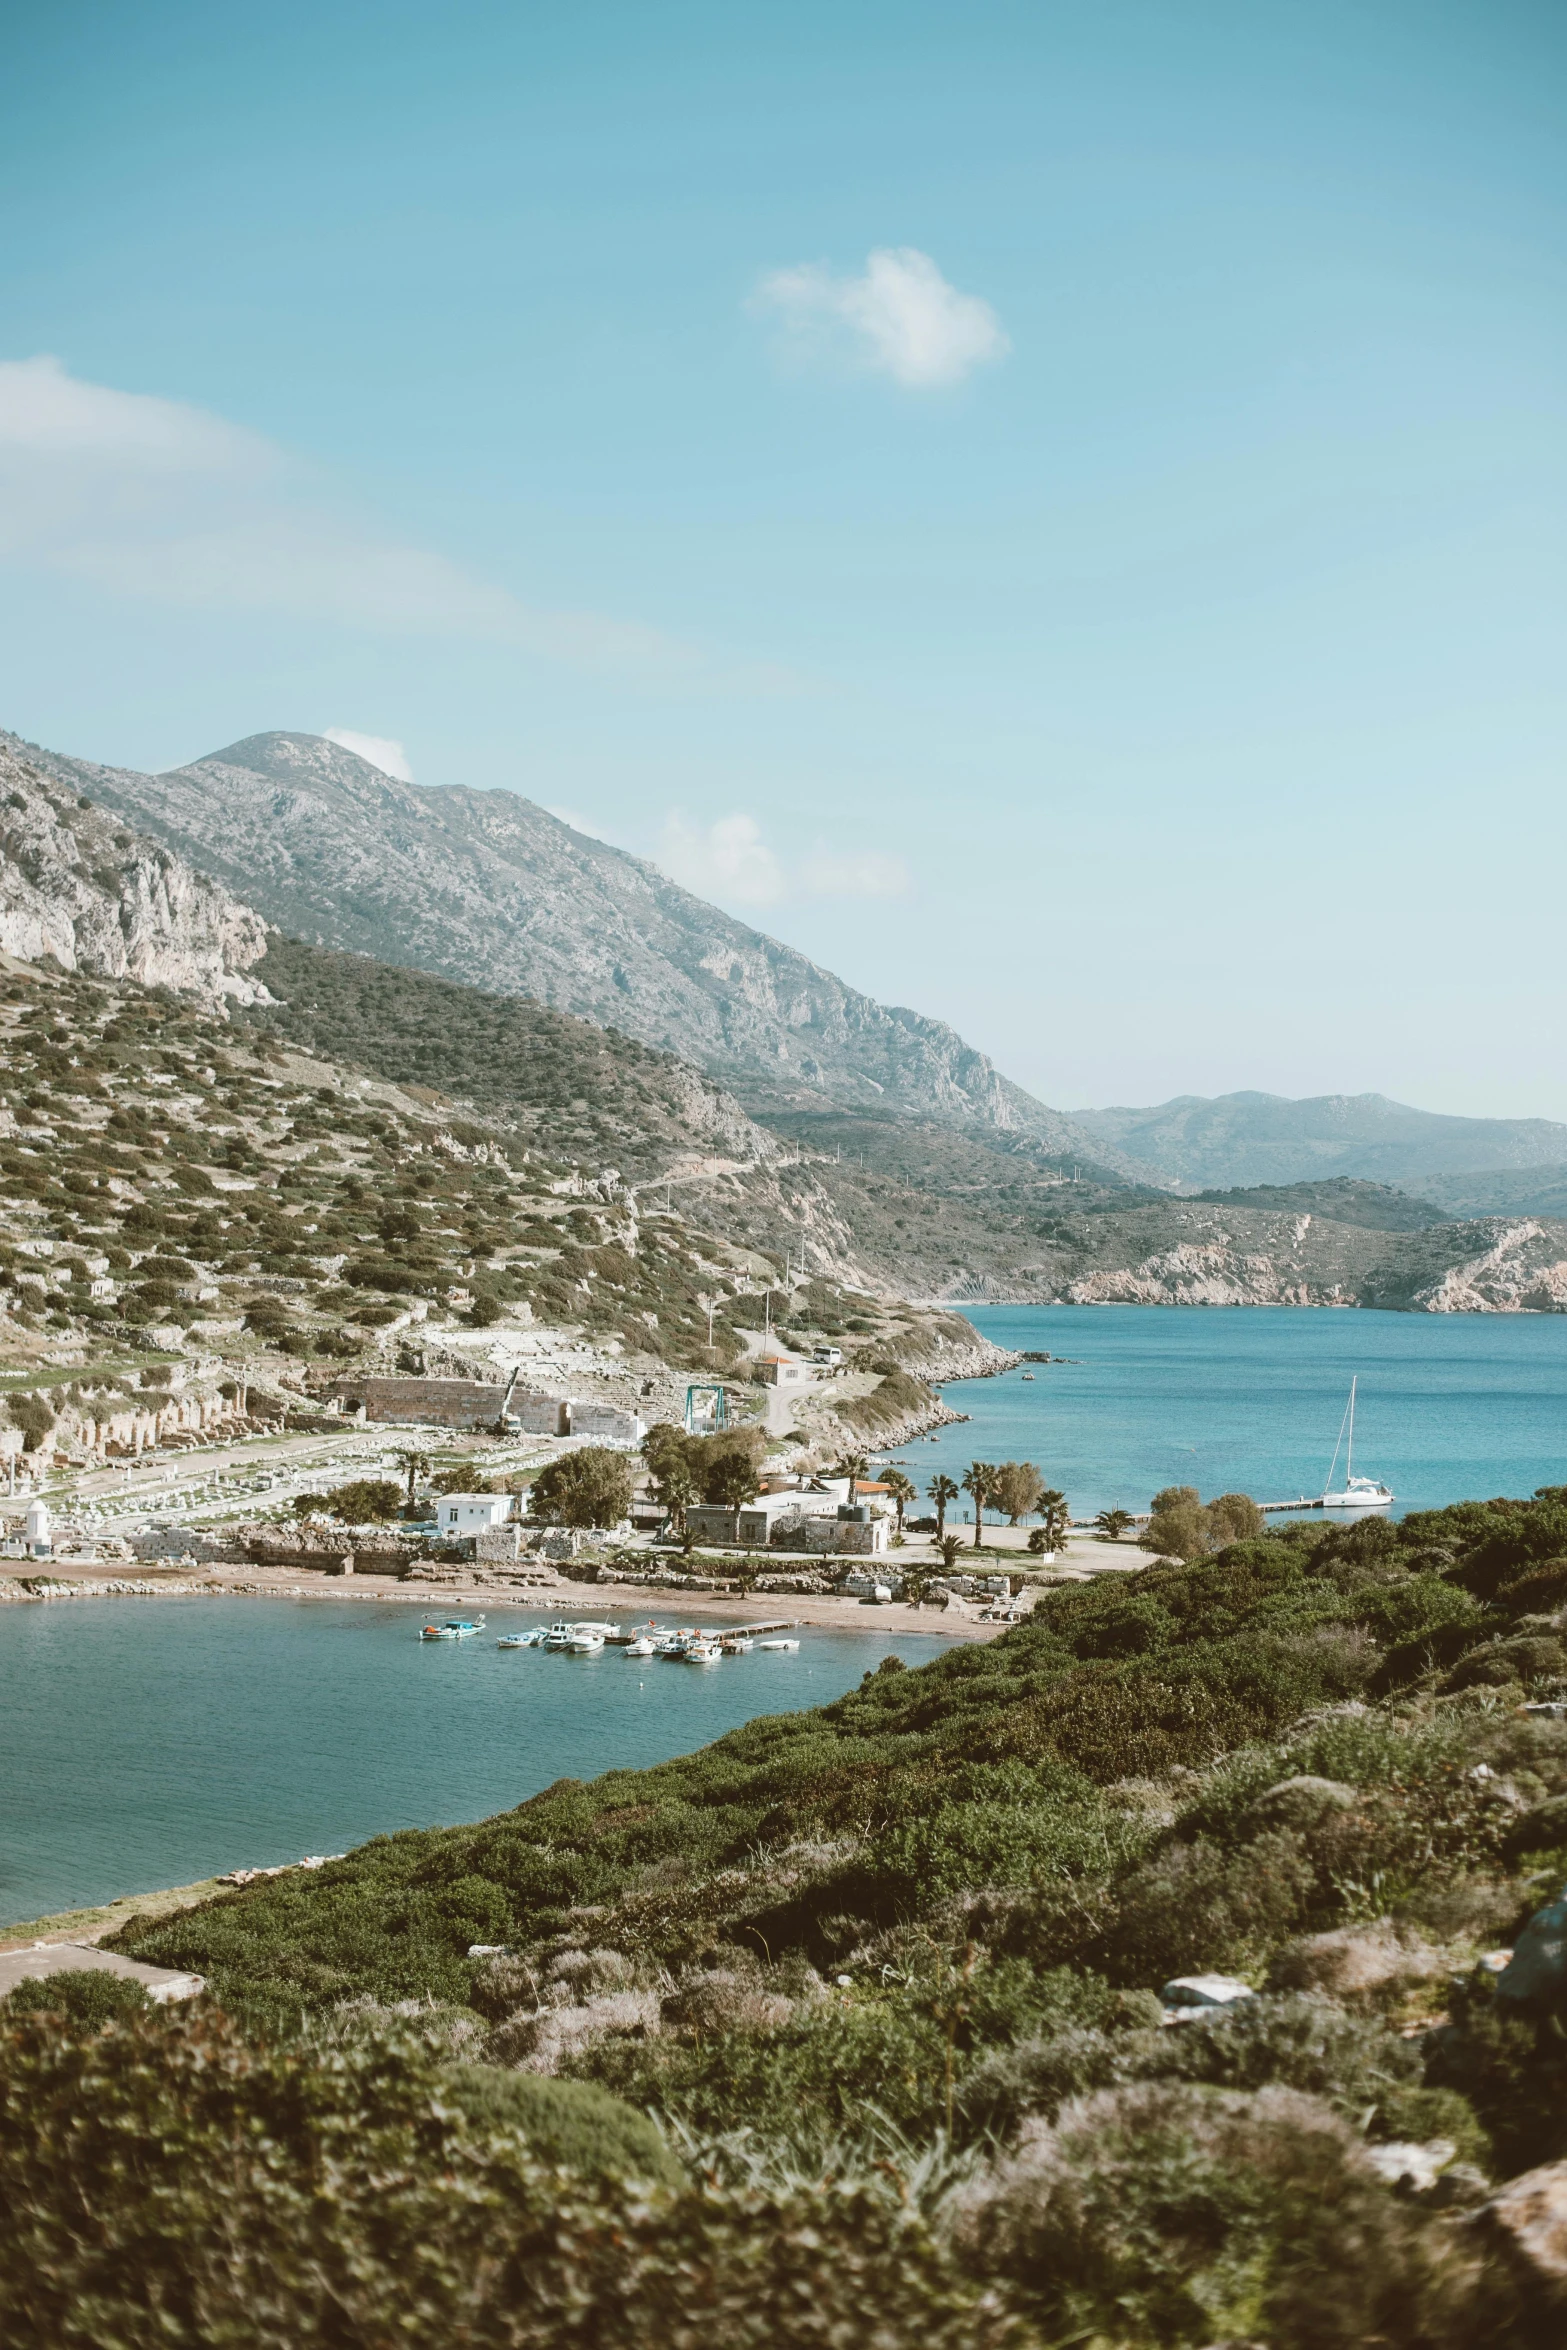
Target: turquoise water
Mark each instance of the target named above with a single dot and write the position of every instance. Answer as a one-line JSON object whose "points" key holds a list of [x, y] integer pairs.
{"points": [[155, 1742], [1249, 1400]]}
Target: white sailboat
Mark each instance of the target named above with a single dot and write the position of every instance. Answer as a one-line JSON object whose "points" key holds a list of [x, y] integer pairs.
{"points": [[1356, 1493]]}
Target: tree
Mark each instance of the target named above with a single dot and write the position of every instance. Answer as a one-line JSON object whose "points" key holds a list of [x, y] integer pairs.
{"points": [[366, 1501], [416, 1465], [942, 1492], [1234, 1517], [950, 1547], [731, 1481], [1016, 1490], [1055, 1519], [587, 1488], [1112, 1524], [677, 1488], [978, 1479], [902, 1489], [855, 1466], [1179, 1527]]}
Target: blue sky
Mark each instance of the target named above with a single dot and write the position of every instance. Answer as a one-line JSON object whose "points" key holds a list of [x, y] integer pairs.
{"points": [[1056, 511]]}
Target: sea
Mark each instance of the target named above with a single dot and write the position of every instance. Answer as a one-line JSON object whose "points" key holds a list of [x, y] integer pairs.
{"points": [[154, 1742], [146, 1743], [1251, 1399]]}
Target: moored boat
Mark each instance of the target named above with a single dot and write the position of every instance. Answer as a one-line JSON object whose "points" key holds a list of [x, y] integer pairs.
{"points": [[454, 1628], [790, 1645], [1356, 1493]]}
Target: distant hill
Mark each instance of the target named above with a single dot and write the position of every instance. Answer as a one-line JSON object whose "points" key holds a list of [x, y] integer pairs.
{"points": [[1374, 1207], [488, 888], [1243, 1139]]}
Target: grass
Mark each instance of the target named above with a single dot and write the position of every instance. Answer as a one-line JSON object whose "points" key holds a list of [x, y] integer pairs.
{"points": [[111, 1916]]}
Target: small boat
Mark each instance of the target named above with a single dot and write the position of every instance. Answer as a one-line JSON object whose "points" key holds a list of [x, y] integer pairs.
{"points": [[788, 1645], [700, 1650], [585, 1640], [520, 1639], [1356, 1493], [1028, 1376], [454, 1628], [735, 1644], [642, 1646], [557, 1637]]}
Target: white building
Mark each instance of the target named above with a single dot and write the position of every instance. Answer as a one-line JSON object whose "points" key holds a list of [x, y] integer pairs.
{"points": [[472, 1513], [36, 1533]]}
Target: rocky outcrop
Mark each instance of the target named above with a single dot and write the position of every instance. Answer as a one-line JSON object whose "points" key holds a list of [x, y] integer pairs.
{"points": [[487, 887], [1235, 1256], [76, 886], [1194, 1273], [1524, 1271]]}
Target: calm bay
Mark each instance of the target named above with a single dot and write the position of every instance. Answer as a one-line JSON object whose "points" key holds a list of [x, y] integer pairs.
{"points": [[1250, 1399], [152, 1742]]}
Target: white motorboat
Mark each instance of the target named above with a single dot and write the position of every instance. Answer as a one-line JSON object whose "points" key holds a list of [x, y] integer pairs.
{"points": [[736, 1644], [700, 1650], [557, 1638], [790, 1645], [585, 1640], [642, 1646], [517, 1640], [1356, 1493]]}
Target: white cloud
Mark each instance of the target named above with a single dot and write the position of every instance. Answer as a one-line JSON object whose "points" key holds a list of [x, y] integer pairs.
{"points": [[379, 749], [731, 860], [900, 316], [158, 501], [728, 860]]}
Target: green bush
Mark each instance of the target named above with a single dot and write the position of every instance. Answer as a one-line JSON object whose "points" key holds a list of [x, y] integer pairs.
{"points": [[1163, 2214], [88, 1997], [573, 2124], [166, 2186]]}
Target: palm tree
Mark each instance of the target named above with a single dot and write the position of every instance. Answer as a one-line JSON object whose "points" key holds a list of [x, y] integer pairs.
{"points": [[942, 1491], [978, 1481], [902, 1489], [1055, 1519], [1112, 1524], [856, 1467], [417, 1465], [677, 1488], [950, 1547]]}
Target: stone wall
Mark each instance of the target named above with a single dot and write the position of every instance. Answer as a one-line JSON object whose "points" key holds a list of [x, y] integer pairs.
{"points": [[476, 1403]]}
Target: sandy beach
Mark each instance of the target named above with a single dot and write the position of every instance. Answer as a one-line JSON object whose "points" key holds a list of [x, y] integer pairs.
{"points": [[1005, 1551]]}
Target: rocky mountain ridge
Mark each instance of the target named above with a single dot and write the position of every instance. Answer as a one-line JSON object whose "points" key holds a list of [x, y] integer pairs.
{"points": [[487, 887], [76, 886]]}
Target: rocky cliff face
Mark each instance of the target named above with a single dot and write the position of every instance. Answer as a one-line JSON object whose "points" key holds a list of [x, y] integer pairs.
{"points": [[486, 887], [1242, 1258], [77, 886]]}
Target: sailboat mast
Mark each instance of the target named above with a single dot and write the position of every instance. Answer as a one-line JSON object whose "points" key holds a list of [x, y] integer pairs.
{"points": [[1349, 1458]]}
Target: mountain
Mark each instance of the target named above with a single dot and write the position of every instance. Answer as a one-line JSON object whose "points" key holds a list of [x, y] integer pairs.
{"points": [[487, 887], [1249, 1138], [77, 887]]}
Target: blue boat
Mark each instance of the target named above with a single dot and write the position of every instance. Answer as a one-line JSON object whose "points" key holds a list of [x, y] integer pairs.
{"points": [[454, 1628]]}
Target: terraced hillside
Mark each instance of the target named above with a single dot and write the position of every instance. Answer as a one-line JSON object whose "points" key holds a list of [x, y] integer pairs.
{"points": [[201, 1219]]}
